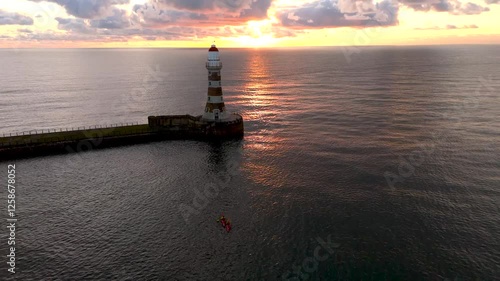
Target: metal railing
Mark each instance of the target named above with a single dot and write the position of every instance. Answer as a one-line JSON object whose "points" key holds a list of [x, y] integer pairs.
{"points": [[72, 129], [51, 136]]}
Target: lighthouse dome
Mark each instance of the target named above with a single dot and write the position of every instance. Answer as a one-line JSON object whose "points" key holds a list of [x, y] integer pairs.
{"points": [[213, 54], [213, 48]]}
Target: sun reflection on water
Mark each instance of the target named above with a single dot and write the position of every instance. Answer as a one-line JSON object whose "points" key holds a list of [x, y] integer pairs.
{"points": [[262, 110]]}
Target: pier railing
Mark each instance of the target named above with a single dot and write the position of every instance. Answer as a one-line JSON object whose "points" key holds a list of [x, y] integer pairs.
{"points": [[72, 134], [72, 129], [176, 124]]}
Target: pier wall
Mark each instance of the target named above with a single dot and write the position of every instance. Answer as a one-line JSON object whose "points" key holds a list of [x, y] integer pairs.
{"points": [[173, 127]]}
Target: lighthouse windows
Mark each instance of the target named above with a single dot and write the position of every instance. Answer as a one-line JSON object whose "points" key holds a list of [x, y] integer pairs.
{"points": [[214, 83]]}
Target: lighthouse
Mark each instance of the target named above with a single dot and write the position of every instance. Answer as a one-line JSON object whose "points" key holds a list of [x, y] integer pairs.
{"points": [[215, 111]]}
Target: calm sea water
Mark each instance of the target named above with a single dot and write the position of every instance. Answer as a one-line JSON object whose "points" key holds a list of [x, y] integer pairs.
{"points": [[390, 157]]}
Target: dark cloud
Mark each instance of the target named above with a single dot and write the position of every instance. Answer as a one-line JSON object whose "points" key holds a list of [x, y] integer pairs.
{"points": [[87, 9], [119, 19], [150, 15], [364, 13], [452, 6], [492, 1], [85, 33], [74, 25], [207, 5], [426, 5], [442, 6], [192, 5], [258, 9], [24, 30], [195, 16], [471, 9], [221, 10], [328, 13], [14, 18], [113, 30]]}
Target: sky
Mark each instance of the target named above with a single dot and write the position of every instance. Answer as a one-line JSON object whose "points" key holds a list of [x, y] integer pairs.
{"points": [[246, 23]]}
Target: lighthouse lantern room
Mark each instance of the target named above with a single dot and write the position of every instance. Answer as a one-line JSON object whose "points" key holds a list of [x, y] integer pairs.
{"points": [[214, 110]]}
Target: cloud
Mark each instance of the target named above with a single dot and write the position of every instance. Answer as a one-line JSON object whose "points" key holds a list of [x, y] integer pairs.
{"points": [[449, 26], [452, 6], [280, 32], [14, 18], [119, 19], [87, 9], [118, 28], [74, 25], [258, 9], [426, 5], [82, 30], [207, 5], [360, 7], [24, 30], [106, 20], [329, 13], [221, 11], [470, 9], [150, 15]]}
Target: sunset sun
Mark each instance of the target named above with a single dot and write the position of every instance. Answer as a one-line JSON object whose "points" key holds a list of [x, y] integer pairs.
{"points": [[258, 34]]}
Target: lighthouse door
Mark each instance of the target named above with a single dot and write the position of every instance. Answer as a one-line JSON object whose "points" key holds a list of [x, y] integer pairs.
{"points": [[216, 115]]}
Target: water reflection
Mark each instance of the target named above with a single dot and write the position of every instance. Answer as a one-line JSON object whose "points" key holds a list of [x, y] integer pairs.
{"points": [[216, 157], [257, 85], [224, 157], [261, 117]]}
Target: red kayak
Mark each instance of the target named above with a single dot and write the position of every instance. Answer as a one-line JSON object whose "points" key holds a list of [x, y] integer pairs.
{"points": [[225, 223]]}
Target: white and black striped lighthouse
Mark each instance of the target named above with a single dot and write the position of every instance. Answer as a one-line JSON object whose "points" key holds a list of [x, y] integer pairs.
{"points": [[215, 109]]}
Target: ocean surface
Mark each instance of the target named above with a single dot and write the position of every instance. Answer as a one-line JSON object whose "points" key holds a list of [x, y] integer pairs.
{"points": [[365, 163]]}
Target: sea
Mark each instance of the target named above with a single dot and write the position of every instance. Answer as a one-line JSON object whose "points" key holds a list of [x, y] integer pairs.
{"points": [[358, 163]]}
